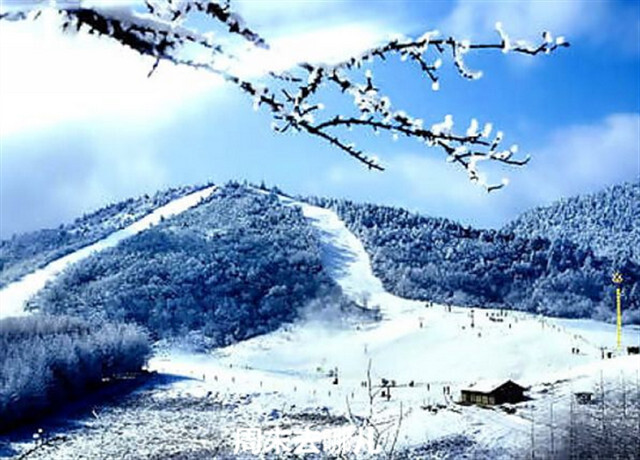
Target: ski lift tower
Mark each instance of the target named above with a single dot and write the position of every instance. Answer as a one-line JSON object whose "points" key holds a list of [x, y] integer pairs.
{"points": [[617, 280]]}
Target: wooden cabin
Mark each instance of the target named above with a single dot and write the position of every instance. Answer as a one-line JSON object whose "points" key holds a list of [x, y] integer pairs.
{"points": [[491, 393], [583, 397]]}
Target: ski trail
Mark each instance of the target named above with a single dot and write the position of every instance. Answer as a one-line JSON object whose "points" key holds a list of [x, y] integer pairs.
{"points": [[14, 296], [342, 253], [346, 261]]}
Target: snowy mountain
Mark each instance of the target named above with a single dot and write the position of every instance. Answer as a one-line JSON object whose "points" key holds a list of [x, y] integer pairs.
{"points": [[243, 250], [316, 386], [15, 296], [238, 264], [309, 379], [607, 221]]}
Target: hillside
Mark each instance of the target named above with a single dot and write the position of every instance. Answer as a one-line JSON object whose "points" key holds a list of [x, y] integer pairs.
{"points": [[23, 253], [436, 259], [607, 221], [319, 382], [236, 265], [241, 262]]}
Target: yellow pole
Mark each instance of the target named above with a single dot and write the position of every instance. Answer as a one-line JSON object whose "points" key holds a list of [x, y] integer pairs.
{"points": [[617, 279], [619, 317]]}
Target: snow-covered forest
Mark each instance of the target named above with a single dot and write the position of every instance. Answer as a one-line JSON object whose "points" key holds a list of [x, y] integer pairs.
{"points": [[241, 264], [237, 265], [46, 361], [23, 253], [606, 221], [272, 290], [552, 273]]}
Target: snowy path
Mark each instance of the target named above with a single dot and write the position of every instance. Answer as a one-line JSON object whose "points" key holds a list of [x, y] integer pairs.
{"points": [[348, 263], [14, 296], [520, 346], [342, 253]]}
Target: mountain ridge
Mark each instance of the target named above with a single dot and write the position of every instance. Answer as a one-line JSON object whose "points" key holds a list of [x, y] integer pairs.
{"points": [[418, 257], [608, 221]]}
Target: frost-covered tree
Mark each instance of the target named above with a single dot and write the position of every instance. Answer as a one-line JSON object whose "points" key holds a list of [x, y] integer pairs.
{"points": [[163, 30], [46, 361], [607, 221]]}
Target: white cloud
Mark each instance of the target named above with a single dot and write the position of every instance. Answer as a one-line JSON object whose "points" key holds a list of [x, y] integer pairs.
{"points": [[587, 157], [273, 14], [328, 44], [47, 77], [57, 176], [477, 18], [81, 124]]}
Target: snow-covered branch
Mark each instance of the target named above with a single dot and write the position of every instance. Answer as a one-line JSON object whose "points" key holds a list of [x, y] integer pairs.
{"points": [[295, 98]]}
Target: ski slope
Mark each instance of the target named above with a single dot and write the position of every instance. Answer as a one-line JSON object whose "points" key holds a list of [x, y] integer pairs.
{"points": [[434, 348], [343, 255], [14, 296], [345, 259], [425, 350]]}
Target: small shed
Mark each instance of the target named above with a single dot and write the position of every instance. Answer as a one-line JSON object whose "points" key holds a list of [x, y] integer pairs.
{"points": [[583, 397], [633, 350], [493, 392]]}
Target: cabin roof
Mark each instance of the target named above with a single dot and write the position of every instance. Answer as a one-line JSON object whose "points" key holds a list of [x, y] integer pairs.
{"points": [[488, 386]]}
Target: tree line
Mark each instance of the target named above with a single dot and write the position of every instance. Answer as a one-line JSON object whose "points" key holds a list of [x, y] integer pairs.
{"points": [[22, 254]]}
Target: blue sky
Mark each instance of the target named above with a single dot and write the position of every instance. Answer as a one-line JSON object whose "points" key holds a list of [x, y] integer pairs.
{"points": [[81, 125]]}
